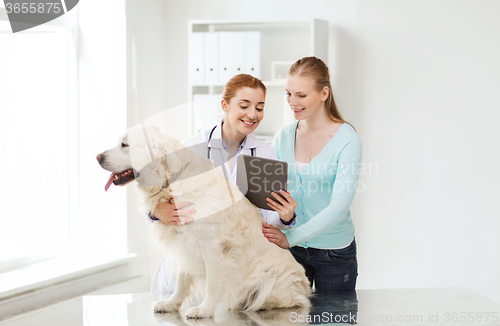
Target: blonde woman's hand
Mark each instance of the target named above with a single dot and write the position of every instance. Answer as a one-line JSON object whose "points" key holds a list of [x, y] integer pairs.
{"points": [[287, 207], [172, 214], [275, 236]]}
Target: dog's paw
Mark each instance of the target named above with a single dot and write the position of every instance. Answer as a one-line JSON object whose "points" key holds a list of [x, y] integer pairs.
{"points": [[172, 318], [166, 306], [199, 312]]}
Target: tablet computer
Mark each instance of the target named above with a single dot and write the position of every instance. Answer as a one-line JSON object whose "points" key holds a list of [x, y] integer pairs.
{"points": [[257, 177]]}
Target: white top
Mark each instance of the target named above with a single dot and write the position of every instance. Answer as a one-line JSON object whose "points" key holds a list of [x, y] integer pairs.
{"points": [[216, 148], [300, 165]]}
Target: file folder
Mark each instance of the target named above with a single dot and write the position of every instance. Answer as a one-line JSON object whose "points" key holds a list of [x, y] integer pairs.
{"points": [[252, 65], [197, 58], [211, 57]]}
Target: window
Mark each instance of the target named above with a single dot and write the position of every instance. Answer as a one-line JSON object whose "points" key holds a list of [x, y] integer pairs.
{"points": [[56, 111], [62, 101], [35, 139]]}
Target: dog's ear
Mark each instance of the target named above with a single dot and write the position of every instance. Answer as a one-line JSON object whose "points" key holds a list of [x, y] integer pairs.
{"points": [[173, 162], [171, 150]]}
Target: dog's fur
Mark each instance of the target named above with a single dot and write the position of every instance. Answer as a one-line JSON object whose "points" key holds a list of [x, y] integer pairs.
{"points": [[223, 254]]}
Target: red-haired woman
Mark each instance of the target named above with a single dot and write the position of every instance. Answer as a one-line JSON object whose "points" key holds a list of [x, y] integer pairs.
{"points": [[243, 102]]}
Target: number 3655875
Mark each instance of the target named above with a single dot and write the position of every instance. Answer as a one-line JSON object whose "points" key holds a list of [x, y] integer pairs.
{"points": [[41, 8]]}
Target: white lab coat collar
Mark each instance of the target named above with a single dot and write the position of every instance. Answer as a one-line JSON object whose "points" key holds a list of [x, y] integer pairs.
{"points": [[216, 140]]}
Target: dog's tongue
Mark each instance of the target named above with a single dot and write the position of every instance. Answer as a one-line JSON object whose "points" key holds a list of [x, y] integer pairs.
{"points": [[110, 181]]}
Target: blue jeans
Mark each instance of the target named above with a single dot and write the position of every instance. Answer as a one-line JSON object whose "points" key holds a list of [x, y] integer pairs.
{"points": [[329, 269]]}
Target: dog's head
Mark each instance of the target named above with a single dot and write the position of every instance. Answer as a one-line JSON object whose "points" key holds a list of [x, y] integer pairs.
{"points": [[143, 154]]}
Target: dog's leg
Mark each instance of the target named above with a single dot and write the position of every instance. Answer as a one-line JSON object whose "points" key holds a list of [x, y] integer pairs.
{"points": [[215, 275], [182, 289], [292, 291]]}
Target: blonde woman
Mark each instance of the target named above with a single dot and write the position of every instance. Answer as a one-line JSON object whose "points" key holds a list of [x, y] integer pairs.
{"points": [[323, 154]]}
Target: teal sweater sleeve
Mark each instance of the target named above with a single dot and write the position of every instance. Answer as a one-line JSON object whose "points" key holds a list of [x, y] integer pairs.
{"points": [[324, 190]]}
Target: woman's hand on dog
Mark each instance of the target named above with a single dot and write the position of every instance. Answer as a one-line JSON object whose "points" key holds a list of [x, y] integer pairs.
{"points": [[172, 214], [275, 235], [287, 207]]}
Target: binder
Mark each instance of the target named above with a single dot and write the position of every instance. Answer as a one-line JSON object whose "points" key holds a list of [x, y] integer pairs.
{"points": [[232, 48], [211, 57], [197, 58], [252, 64]]}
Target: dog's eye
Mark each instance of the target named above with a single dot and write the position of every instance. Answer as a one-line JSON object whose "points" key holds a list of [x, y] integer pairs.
{"points": [[124, 145]]}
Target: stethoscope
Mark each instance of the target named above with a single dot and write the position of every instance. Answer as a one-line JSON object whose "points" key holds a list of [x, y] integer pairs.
{"points": [[252, 150]]}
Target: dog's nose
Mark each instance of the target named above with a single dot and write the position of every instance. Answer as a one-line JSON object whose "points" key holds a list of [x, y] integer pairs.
{"points": [[99, 158]]}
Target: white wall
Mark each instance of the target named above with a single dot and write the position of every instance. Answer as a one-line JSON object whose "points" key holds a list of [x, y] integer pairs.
{"points": [[418, 80], [427, 80]]}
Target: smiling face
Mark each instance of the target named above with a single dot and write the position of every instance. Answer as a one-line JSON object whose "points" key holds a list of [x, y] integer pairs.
{"points": [[117, 161], [143, 154], [244, 111], [303, 98]]}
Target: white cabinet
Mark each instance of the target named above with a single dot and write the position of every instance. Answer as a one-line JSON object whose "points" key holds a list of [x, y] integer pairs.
{"points": [[252, 47]]}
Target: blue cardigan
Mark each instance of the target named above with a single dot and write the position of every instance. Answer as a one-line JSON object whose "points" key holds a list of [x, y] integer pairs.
{"points": [[324, 190]]}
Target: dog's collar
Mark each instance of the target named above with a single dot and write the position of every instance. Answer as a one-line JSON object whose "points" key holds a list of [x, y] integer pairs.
{"points": [[156, 193], [174, 177]]}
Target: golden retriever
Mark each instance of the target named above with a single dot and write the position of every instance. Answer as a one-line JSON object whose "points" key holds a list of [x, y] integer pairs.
{"points": [[222, 255]]}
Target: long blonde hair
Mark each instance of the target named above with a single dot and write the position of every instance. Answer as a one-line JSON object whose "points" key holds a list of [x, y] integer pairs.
{"points": [[317, 70]]}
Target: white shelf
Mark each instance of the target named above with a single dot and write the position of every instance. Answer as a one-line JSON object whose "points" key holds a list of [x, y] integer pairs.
{"points": [[248, 22], [267, 83], [281, 40]]}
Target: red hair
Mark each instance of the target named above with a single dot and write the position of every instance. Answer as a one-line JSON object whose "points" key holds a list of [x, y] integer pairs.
{"points": [[238, 82]]}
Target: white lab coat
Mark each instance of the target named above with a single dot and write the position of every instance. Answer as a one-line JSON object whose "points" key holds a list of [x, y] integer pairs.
{"points": [[163, 283]]}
